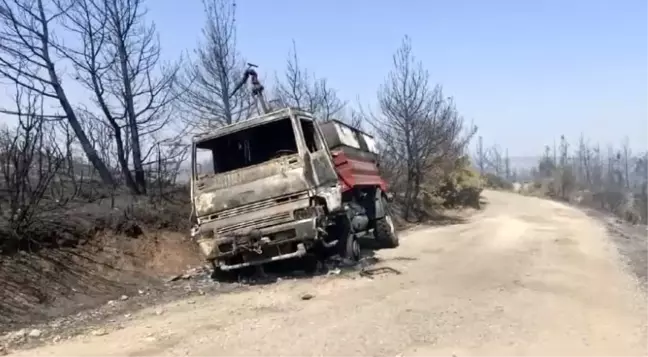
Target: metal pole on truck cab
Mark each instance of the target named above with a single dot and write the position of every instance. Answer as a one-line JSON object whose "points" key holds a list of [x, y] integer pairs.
{"points": [[256, 88]]}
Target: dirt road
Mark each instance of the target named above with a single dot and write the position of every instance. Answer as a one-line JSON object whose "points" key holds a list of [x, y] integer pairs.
{"points": [[525, 276]]}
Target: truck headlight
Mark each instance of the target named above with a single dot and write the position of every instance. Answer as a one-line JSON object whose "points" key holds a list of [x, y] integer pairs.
{"points": [[206, 245], [303, 213]]}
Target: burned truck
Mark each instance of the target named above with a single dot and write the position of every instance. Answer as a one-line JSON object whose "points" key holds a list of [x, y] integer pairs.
{"points": [[282, 185]]}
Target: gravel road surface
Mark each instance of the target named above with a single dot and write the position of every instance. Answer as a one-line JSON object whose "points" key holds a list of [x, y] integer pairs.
{"points": [[524, 277]]}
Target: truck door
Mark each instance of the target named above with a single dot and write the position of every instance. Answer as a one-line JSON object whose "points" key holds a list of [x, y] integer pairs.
{"points": [[319, 156], [318, 163]]}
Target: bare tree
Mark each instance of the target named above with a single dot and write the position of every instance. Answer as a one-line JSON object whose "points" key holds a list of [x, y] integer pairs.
{"points": [[507, 166], [168, 159], [30, 162], [641, 169], [597, 167], [209, 79], [354, 119], [301, 89], [494, 167], [584, 155], [626, 155], [117, 62], [27, 58], [417, 125], [494, 161], [566, 175], [145, 98], [490, 161], [614, 181], [546, 166], [481, 156]]}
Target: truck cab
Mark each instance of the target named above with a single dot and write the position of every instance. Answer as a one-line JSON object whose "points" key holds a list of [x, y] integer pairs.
{"points": [[271, 188]]}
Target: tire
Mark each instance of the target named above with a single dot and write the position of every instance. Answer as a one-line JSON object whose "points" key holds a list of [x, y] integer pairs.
{"points": [[384, 229], [350, 248], [311, 264], [348, 245]]}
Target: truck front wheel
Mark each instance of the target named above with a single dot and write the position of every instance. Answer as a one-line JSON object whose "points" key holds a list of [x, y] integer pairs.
{"points": [[384, 229]]}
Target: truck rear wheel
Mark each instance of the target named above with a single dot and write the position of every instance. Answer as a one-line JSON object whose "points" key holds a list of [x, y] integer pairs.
{"points": [[348, 245], [384, 230], [350, 248]]}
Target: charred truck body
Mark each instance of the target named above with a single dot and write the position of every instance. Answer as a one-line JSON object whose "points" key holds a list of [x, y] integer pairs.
{"points": [[282, 185]]}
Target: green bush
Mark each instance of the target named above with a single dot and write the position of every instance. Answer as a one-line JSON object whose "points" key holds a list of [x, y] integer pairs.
{"points": [[461, 186], [497, 182]]}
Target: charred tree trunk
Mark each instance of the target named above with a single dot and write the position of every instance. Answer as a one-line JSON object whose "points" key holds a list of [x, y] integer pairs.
{"points": [[140, 177], [87, 147]]}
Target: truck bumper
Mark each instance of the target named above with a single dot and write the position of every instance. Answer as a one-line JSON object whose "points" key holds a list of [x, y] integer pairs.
{"points": [[261, 245], [300, 252]]}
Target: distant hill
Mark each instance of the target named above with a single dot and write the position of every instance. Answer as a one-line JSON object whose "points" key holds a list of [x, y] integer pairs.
{"points": [[524, 163], [520, 163]]}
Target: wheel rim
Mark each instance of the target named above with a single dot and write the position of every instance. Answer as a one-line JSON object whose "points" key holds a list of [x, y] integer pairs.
{"points": [[390, 223], [355, 249]]}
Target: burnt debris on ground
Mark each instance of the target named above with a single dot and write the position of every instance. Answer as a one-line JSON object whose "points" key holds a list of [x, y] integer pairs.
{"points": [[52, 283], [97, 288], [193, 281], [113, 314]]}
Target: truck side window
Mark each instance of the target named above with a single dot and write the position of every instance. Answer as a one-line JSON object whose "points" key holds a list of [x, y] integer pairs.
{"points": [[308, 128], [204, 161]]}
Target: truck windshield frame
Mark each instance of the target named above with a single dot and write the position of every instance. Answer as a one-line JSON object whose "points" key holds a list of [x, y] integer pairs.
{"points": [[245, 148]]}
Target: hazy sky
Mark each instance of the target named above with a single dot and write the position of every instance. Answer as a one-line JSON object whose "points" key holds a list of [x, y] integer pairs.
{"points": [[523, 71]]}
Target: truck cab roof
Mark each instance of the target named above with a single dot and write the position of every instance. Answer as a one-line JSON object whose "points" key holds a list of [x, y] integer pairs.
{"points": [[252, 122]]}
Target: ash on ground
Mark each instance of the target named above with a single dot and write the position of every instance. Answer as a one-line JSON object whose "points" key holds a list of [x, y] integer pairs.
{"points": [[194, 281]]}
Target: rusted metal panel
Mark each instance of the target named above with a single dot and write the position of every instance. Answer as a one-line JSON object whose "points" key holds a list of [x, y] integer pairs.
{"points": [[255, 215], [338, 134], [353, 172], [251, 184], [323, 168], [248, 174]]}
